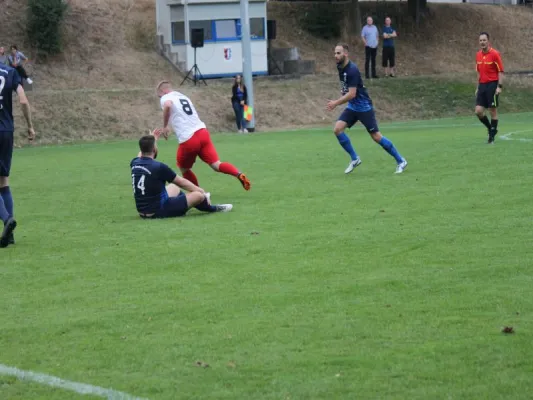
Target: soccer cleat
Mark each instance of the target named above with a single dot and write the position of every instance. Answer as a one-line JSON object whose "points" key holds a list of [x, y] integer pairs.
{"points": [[492, 135], [246, 184], [352, 165], [9, 227], [224, 207], [401, 166], [11, 239]]}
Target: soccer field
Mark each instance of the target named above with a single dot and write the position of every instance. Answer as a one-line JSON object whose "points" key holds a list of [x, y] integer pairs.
{"points": [[318, 285]]}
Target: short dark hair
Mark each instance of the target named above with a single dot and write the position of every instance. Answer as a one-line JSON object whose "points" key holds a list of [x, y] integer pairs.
{"points": [[343, 45], [485, 33], [14, 46], [147, 144]]}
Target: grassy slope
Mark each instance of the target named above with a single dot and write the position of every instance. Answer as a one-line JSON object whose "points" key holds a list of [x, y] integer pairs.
{"points": [[362, 286], [446, 41], [68, 115], [106, 44]]}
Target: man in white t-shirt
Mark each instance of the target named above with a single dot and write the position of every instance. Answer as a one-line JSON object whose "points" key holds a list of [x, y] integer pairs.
{"points": [[193, 137]]}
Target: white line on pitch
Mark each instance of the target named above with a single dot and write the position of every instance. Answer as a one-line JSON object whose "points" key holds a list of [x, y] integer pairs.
{"points": [[508, 135], [56, 382]]}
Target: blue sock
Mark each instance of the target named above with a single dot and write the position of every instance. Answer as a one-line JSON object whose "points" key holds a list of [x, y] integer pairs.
{"points": [[389, 148], [346, 144], [5, 193], [4, 215], [204, 206]]}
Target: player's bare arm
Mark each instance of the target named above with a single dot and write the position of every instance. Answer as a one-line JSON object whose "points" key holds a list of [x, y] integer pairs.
{"points": [[167, 107], [26, 111], [352, 92], [187, 185], [165, 130]]}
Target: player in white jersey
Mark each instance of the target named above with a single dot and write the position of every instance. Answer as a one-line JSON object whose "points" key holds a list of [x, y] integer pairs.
{"points": [[193, 137]]}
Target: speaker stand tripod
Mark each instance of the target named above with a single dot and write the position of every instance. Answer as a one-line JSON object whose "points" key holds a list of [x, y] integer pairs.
{"points": [[196, 74], [271, 61]]}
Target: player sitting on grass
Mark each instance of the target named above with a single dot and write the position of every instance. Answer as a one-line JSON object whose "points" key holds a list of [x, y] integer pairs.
{"points": [[155, 200]]}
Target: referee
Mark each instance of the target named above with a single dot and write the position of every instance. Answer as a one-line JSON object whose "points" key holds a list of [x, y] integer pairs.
{"points": [[490, 69]]}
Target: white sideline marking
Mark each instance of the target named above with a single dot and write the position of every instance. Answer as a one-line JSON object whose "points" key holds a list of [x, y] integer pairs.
{"points": [[54, 381], [507, 136]]}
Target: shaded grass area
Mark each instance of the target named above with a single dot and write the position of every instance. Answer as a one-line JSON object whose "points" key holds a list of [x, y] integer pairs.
{"points": [[66, 116]]}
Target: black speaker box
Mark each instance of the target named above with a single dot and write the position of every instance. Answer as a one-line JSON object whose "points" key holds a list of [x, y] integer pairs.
{"points": [[197, 37], [271, 29]]}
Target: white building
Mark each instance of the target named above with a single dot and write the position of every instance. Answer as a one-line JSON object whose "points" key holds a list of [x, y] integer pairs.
{"points": [[221, 55]]}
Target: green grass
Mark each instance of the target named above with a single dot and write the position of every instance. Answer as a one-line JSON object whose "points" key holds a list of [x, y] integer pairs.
{"points": [[444, 96], [367, 286]]}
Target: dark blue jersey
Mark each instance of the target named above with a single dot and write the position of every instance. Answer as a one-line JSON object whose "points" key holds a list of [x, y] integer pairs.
{"points": [[149, 178], [351, 77], [9, 82], [390, 41]]}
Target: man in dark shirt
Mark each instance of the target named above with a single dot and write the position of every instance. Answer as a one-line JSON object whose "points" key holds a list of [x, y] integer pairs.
{"points": [[155, 199], [360, 108], [388, 55], [9, 82]]}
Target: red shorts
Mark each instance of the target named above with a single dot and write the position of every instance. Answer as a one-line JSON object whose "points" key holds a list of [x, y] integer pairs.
{"points": [[200, 145]]}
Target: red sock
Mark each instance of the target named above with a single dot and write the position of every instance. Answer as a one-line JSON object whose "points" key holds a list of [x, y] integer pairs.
{"points": [[227, 168], [189, 175]]}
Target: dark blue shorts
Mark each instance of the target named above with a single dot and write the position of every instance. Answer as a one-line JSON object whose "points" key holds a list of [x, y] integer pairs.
{"points": [[6, 152], [172, 207], [367, 118]]}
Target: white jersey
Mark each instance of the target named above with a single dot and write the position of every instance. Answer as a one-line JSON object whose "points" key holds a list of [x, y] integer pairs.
{"points": [[183, 116]]}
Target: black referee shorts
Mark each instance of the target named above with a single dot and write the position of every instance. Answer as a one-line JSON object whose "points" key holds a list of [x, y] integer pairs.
{"points": [[388, 57], [486, 95]]}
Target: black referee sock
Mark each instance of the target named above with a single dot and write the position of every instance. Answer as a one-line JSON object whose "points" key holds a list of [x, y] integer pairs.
{"points": [[494, 124], [485, 121]]}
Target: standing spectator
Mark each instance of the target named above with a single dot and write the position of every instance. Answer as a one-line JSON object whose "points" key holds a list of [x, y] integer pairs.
{"points": [[239, 99], [17, 60], [370, 37], [388, 54], [3, 57]]}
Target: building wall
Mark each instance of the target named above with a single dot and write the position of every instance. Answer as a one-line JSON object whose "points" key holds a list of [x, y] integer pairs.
{"points": [[212, 62], [197, 12], [221, 58], [163, 20]]}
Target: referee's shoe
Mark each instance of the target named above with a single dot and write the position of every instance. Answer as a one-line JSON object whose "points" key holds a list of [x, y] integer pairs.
{"points": [[492, 134]]}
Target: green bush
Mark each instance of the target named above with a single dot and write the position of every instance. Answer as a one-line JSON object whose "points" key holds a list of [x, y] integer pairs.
{"points": [[45, 21], [323, 20]]}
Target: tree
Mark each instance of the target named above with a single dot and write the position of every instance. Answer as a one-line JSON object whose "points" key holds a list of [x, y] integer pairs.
{"points": [[45, 20], [352, 21], [416, 9]]}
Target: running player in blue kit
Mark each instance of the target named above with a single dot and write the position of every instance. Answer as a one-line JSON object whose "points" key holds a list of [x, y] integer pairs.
{"points": [[10, 82], [359, 108]]}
